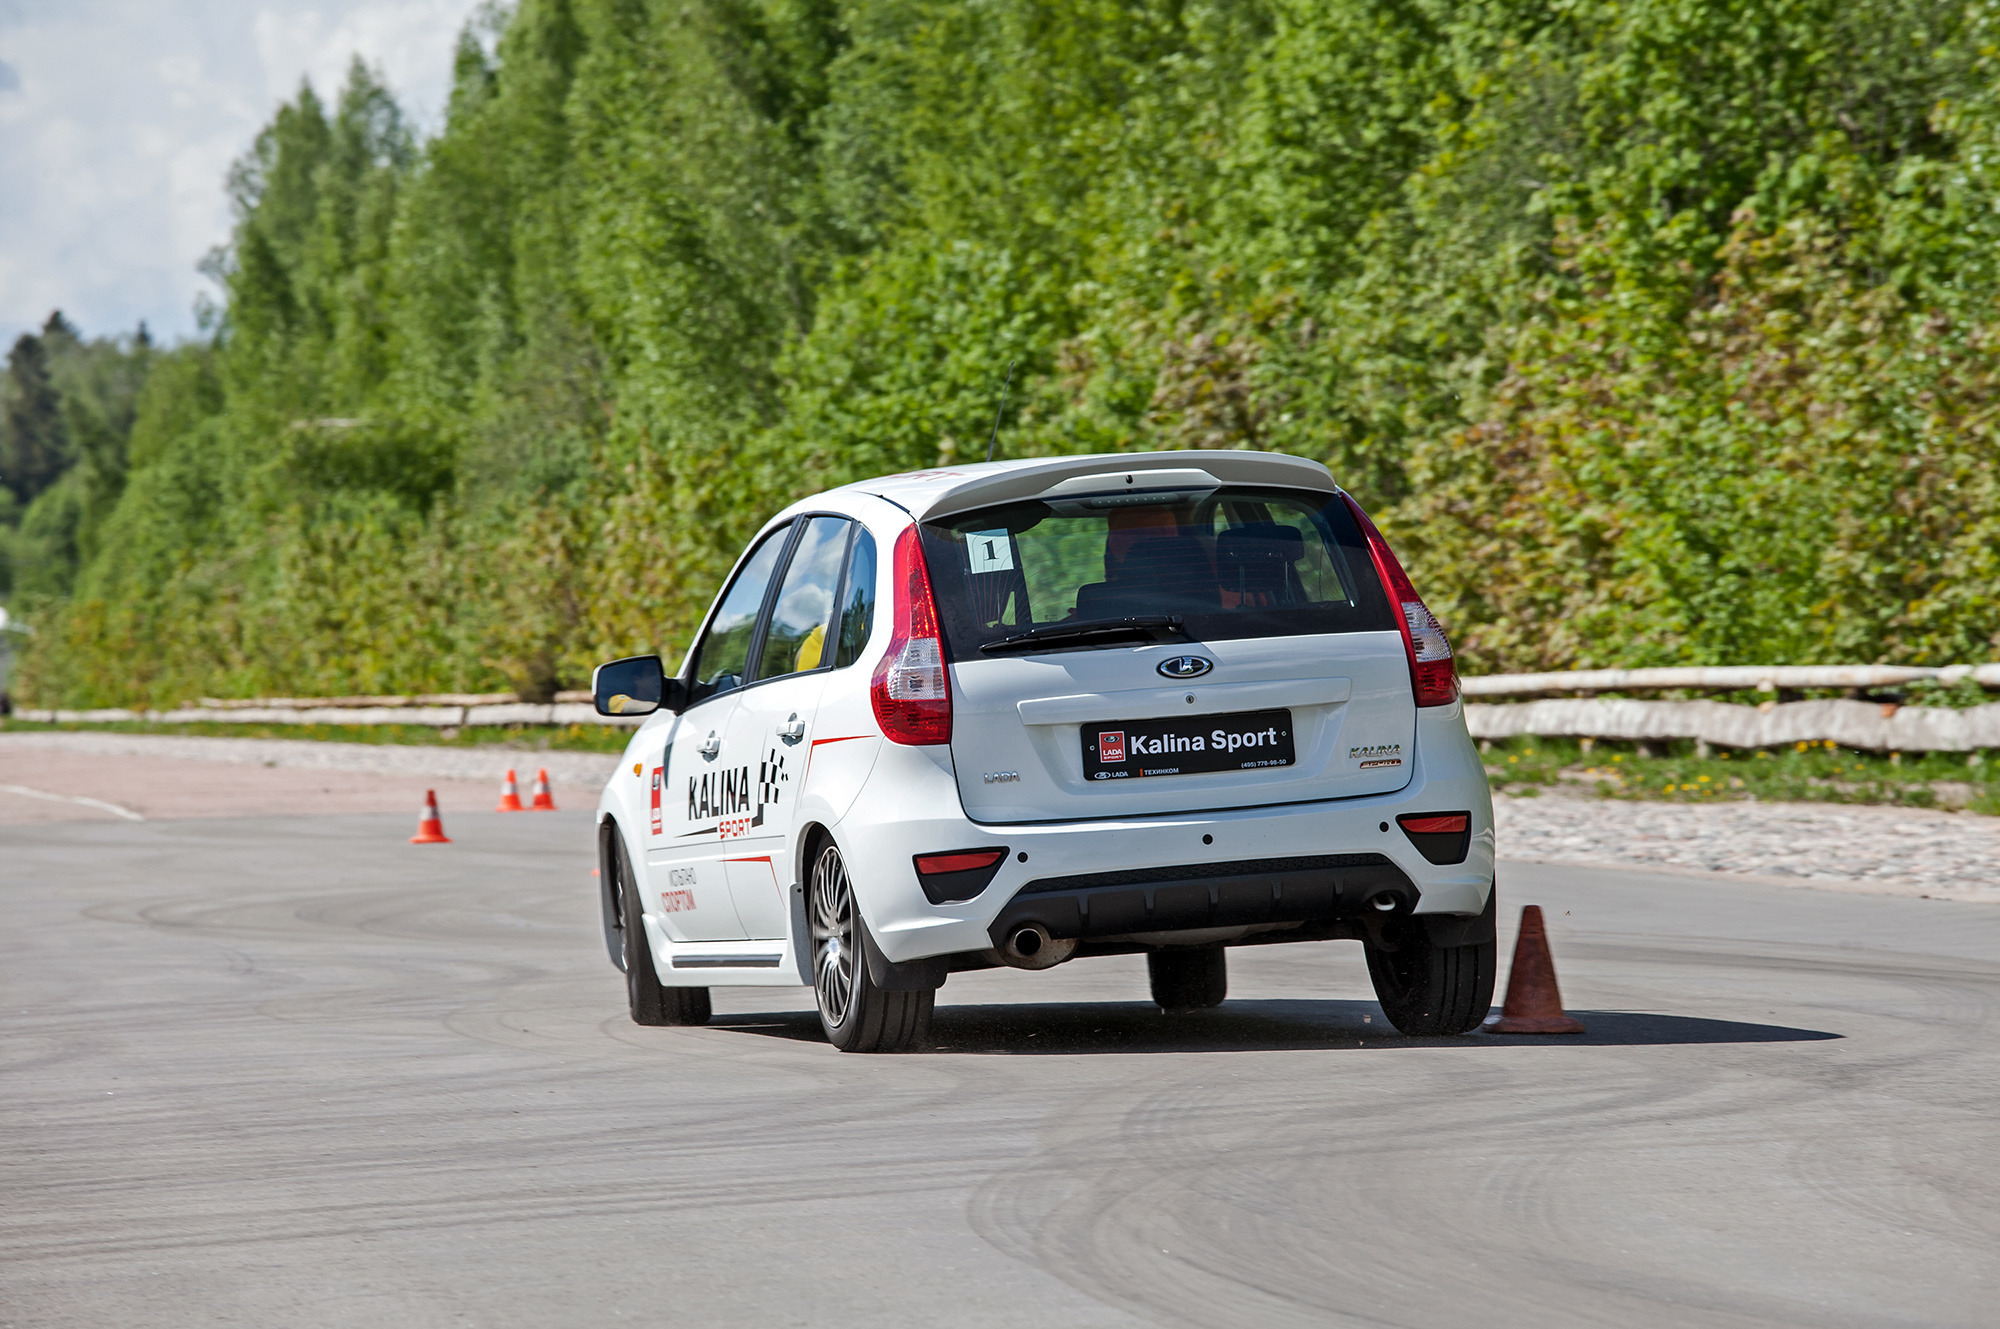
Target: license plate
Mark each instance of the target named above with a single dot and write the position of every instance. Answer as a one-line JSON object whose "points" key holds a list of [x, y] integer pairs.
{"points": [[1194, 745]]}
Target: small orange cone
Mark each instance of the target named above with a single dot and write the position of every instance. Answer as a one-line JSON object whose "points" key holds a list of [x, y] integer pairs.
{"points": [[510, 795], [430, 826], [1534, 1004], [544, 800]]}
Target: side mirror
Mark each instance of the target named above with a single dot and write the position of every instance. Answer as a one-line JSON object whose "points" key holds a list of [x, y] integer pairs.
{"points": [[636, 685]]}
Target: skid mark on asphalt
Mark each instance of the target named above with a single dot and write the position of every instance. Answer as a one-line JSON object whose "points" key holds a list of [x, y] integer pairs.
{"points": [[1597, 1167]]}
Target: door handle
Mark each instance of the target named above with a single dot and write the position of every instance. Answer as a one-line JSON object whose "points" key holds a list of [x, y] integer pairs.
{"points": [[710, 746], [793, 729]]}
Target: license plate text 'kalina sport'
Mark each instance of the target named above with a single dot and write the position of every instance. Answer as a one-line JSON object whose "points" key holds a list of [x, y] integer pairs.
{"points": [[1194, 745]]}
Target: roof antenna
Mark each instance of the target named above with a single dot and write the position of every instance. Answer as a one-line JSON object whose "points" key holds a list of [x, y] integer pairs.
{"points": [[997, 409]]}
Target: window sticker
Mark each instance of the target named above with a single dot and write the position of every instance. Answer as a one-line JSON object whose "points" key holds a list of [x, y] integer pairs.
{"points": [[989, 551]]}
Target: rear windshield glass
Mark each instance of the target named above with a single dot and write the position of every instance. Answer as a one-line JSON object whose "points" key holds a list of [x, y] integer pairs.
{"points": [[1229, 563]]}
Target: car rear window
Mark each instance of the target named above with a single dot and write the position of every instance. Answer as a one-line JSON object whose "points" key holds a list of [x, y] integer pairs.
{"points": [[1233, 562]]}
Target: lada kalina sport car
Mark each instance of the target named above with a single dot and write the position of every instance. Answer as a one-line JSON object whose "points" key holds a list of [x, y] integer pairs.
{"points": [[1025, 713]]}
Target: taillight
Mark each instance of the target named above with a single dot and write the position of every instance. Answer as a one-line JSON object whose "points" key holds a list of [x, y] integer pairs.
{"points": [[970, 860], [1443, 823], [1441, 837], [911, 695], [1433, 675], [957, 875]]}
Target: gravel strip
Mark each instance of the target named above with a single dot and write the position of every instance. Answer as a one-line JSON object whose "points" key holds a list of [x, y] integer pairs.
{"points": [[1885, 851], [575, 771]]}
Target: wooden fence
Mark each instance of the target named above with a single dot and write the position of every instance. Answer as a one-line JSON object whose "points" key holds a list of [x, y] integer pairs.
{"points": [[1571, 712]]}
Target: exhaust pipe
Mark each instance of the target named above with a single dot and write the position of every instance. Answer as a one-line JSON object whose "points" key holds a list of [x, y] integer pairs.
{"points": [[1030, 946], [1386, 902]]}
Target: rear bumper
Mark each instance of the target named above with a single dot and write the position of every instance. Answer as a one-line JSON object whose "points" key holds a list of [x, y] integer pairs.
{"points": [[1316, 890], [1306, 863]]}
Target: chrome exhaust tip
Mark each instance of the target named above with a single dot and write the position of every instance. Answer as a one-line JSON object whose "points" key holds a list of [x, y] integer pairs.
{"points": [[1030, 946]]}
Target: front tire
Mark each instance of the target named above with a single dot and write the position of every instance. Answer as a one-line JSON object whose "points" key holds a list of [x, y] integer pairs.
{"points": [[1427, 990], [857, 1015], [651, 1001], [1188, 978]]}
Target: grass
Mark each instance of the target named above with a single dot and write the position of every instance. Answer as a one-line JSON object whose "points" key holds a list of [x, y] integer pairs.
{"points": [[1795, 773], [538, 738]]}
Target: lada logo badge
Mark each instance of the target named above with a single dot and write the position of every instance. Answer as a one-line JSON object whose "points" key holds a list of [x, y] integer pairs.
{"points": [[1186, 666]]}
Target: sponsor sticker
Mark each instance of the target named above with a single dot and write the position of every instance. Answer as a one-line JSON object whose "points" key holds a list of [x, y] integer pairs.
{"points": [[676, 902], [1245, 741], [659, 774]]}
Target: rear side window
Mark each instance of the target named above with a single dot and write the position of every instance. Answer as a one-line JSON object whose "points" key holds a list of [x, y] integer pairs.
{"points": [[796, 640], [1231, 563], [857, 599]]}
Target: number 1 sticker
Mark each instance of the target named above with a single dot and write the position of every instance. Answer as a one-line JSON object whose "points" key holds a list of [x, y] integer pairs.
{"points": [[989, 551]]}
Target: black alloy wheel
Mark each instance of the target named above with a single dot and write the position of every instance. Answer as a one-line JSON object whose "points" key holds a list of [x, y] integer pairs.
{"points": [[857, 1015], [1429, 990]]}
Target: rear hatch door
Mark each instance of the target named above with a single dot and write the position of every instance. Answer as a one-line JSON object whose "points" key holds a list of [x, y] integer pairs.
{"points": [[1135, 653]]}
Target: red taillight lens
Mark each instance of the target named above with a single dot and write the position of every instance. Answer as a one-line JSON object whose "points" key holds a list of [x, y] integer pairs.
{"points": [[910, 691], [965, 862], [1450, 823], [1433, 674]]}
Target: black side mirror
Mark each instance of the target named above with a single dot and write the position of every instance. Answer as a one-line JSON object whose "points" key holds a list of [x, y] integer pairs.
{"points": [[636, 685]]}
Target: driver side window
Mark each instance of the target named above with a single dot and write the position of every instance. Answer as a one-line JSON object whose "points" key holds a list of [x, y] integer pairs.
{"points": [[724, 652]]}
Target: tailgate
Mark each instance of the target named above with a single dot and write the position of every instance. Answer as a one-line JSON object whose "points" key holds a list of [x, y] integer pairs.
{"points": [[1019, 726]]}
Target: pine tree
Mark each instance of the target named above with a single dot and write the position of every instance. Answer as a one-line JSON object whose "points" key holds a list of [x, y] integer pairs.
{"points": [[35, 448]]}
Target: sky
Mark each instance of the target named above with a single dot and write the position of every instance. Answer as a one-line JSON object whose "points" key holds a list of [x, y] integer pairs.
{"points": [[119, 119]]}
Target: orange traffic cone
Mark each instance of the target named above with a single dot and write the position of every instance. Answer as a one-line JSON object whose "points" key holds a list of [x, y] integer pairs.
{"points": [[1534, 1004], [430, 826], [510, 795], [544, 800]]}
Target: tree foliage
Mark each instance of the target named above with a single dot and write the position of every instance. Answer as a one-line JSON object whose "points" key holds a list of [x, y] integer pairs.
{"points": [[1655, 330]]}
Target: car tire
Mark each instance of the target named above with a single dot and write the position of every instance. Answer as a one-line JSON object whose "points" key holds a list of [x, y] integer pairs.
{"points": [[651, 1001], [857, 1015], [1428, 990], [1188, 978]]}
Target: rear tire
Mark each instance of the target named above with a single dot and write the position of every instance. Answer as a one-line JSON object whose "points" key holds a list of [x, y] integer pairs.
{"points": [[857, 1015], [1188, 978], [1429, 991], [651, 1001]]}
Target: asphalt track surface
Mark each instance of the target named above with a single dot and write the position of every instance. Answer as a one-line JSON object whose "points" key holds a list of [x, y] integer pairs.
{"points": [[300, 1072]]}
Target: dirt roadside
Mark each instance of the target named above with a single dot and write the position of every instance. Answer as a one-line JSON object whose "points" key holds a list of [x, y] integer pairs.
{"points": [[113, 777]]}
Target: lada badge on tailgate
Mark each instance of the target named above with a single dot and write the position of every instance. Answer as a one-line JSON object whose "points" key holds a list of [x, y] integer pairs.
{"points": [[1185, 666]]}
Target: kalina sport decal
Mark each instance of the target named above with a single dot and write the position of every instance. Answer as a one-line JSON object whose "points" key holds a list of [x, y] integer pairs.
{"points": [[1377, 754], [728, 798], [714, 794]]}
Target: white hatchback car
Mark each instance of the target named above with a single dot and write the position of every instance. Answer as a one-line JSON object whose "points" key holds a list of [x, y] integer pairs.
{"points": [[1027, 712]]}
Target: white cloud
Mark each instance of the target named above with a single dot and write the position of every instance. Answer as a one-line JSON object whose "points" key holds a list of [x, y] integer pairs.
{"points": [[121, 117]]}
